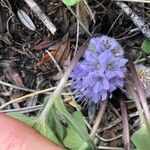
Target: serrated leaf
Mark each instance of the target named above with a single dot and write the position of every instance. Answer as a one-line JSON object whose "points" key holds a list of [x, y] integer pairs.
{"points": [[44, 130], [146, 46], [25, 119], [26, 20], [141, 138], [72, 123], [70, 2]]}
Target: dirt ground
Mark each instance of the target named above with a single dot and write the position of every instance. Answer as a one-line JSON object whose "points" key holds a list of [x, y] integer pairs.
{"points": [[26, 65]]}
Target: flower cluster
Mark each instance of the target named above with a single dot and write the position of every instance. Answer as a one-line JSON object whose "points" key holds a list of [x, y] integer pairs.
{"points": [[102, 69]]}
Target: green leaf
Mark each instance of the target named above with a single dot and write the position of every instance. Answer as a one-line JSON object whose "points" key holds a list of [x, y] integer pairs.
{"points": [[73, 139], [56, 124], [70, 2], [78, 117], [141, 138], [146, 46], [44, 130], [25, 119], [73, 124]]}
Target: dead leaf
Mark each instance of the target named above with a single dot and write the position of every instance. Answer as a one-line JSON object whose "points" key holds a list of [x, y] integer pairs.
{"points": [[14, 96], [3, 19], [7, 63], [67, 61], [43, 45], [60, 54], [46, 58], [13, 76], [83, 15], [26, 20], [144, 76]]}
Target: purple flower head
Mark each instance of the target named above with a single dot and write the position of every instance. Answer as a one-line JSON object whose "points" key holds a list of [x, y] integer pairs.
{"points": [[101, 71]]}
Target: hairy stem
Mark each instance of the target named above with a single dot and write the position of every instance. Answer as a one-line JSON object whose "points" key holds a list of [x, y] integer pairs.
{"points": [[46, 109]]}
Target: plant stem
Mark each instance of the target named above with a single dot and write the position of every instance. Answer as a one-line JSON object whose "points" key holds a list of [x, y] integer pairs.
{"points": [[136, 100], [80, 22], [126, 138], [46, 109], [140, 92], [99, 118]]}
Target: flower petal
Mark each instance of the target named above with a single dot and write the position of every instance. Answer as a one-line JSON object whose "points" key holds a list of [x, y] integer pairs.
{"points": [[103, 59], [96, 87], [104, 95], [119, 83], [89, 56], [105, 84], [122, 62], [101, 71], [112, 88], [119, 74], [110, 74], [96, 42]]}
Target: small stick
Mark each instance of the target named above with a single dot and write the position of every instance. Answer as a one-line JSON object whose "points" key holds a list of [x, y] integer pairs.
{"points": [[98, 118], [109, 148], [81, 24], [78, 28], [29, 95], [24, 110], [17, 87], [139, 1], [126, 138], [42, 16], [55, 62], [135, 18]]}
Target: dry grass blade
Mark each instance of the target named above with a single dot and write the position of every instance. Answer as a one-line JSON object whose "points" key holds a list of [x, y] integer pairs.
{"points": [[57, 55], [135, 18], [89, 11], [42, 16], [83, 15], [28, 95], [80, 22], [26, 20], [139, 1]]}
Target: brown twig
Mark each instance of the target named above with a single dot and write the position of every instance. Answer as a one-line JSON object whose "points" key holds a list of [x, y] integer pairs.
{"points": [[139, 1], [126, 138], [28, 95], [98, 118], [135, 18]]}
